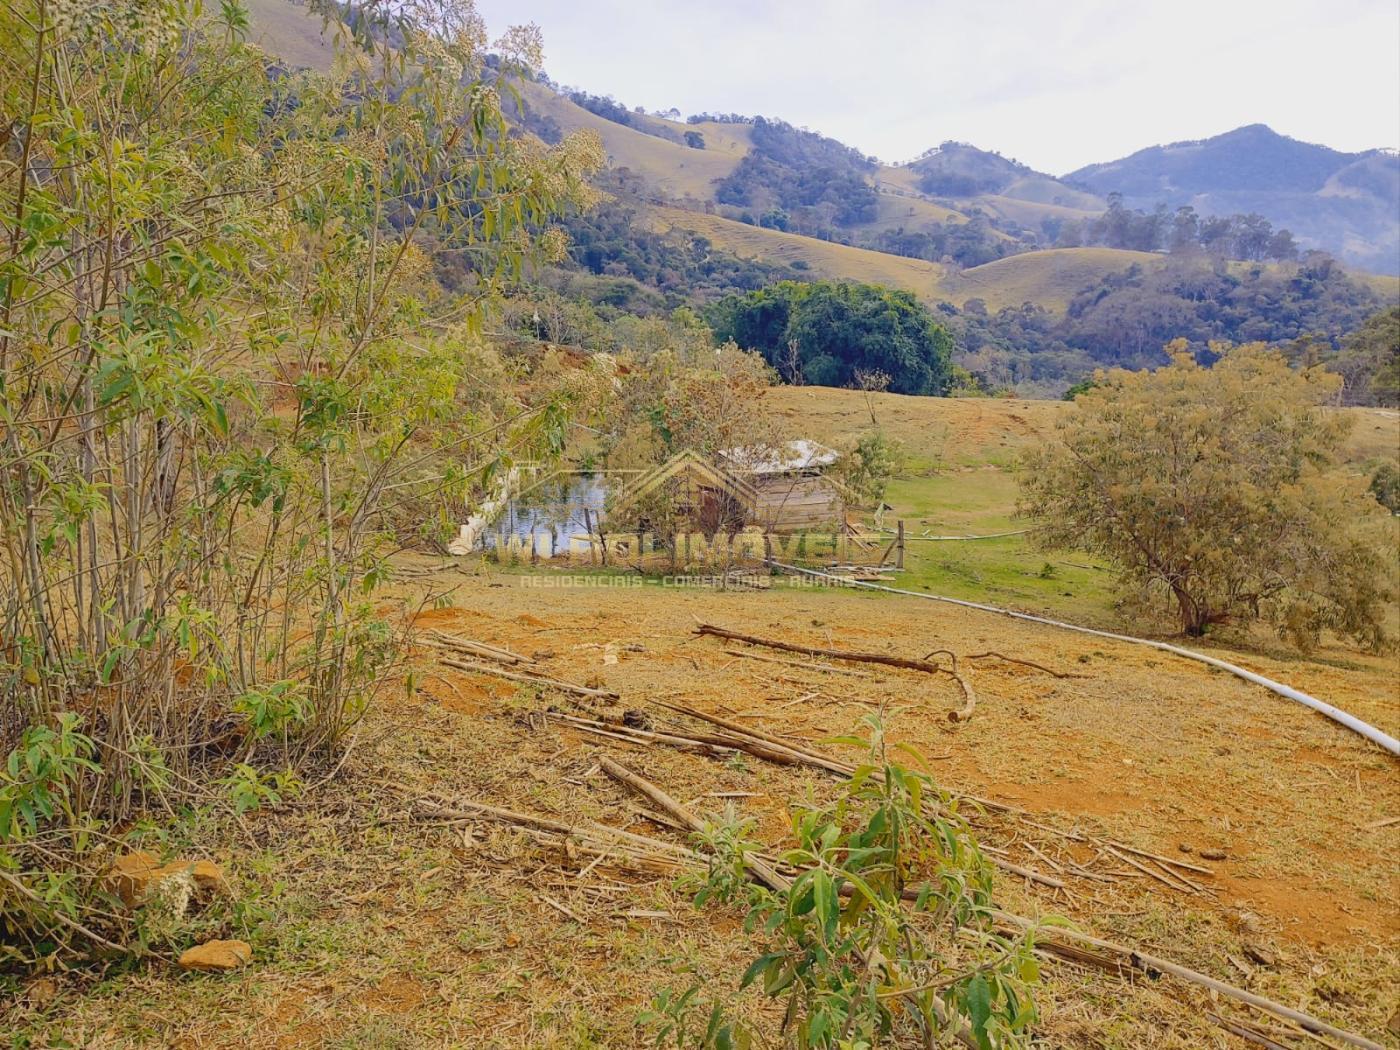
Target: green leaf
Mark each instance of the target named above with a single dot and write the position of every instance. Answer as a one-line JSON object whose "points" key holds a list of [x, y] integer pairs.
{"points": [[979, 1009], [825, 902], [759, 965]]}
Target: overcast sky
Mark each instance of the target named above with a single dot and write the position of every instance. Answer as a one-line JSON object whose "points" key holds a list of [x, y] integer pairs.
{"points": [[1053, 84]]}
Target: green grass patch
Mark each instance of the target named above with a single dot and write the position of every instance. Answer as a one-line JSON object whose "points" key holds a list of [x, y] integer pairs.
{"points": [[1006, 571]]}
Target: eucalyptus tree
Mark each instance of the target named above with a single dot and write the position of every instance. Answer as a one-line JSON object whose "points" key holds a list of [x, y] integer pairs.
{"points": [[224, 361]]}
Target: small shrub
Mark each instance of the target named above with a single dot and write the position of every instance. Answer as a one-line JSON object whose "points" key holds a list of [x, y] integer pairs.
{"points": [[867, 466], [886, 932], [1385, 486]]}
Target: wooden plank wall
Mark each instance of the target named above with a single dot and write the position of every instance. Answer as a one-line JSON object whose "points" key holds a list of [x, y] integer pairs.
{"points": [[797, 501]]}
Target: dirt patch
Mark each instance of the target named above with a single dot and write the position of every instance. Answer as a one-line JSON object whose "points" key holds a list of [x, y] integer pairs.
{"points": [[397, 994]]}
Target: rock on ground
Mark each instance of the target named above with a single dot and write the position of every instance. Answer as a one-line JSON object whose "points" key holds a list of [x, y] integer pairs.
{"points": [[217, 956]]}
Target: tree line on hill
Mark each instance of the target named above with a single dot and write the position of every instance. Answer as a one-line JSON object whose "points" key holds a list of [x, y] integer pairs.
{"points": [[612, 240], [798, 181], [1125, 319], [817, 181], [620, 264], [1249, 237]]}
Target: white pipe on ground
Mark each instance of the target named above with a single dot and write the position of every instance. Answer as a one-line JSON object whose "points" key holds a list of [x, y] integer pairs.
{"points": [[1353, 723]]}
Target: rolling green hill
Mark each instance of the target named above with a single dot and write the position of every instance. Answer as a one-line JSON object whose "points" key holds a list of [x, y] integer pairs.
{"points": [[1048, 278]]}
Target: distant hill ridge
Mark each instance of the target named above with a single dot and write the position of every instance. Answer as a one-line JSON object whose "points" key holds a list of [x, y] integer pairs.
{"points": [[956, 200], [1344, 203]]}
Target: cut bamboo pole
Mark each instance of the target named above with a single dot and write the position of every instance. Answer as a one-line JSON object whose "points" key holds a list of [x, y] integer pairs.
{"points": [[812, 650], [1146, 963], [1160, 876], [531, 679], [717, 745], [1161, 859], [470, 647], [812, 758], [759, 868], [1054, 942]]}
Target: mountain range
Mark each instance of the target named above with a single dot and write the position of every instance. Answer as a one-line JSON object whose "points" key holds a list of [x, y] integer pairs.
{"points": [[957, 223]]}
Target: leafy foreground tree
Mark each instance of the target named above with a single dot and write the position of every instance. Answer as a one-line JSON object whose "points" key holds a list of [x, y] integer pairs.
{"points": [[223, 362], [887, 936], [1218, 487]]}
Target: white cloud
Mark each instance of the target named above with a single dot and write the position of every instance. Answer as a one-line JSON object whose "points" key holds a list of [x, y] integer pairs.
{"points": [[1054, 85]]}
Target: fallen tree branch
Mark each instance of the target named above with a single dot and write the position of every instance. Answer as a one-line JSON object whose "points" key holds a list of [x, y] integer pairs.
{"points": [[467, 809], [961, 715], [819, 761], [472, 647], [759, 868], [969, 699], [992, 653], [531, 679], [1132, 959], [808, 758], [1175, 883], [73, 924], [719, 746], [1025, 873], [1148, 963], [1248, 1033], [1370, 732], [812, 650], [1161, 859], [801, 665]]}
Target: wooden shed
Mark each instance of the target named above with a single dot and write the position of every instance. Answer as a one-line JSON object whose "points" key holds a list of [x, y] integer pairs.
{"points": [[794, 490]]}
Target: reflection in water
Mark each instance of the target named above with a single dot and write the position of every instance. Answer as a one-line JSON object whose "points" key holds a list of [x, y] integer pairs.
{"points": [[552, 512]]}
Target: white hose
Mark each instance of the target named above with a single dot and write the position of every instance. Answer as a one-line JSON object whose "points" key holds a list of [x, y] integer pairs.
{"points": [[1353, 723]]}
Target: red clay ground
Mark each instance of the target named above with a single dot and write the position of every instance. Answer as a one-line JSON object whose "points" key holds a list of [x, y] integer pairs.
{"points": [[392, 932]]}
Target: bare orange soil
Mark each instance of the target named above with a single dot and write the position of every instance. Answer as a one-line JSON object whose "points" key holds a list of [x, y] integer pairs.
{"points": [[397, 930]]}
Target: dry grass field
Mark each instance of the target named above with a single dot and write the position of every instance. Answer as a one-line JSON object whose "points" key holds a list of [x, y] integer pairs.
{"points": [[982, 431]]}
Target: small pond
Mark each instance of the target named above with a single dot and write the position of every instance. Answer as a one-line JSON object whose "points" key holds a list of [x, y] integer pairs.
{"points": [[551, 511]]}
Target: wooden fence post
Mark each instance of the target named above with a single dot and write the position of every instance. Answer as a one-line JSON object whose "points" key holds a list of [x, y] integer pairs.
{"points": [[899, 544]]}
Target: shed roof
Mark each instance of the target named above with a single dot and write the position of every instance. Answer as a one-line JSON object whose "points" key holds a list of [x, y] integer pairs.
{"points": [[802, 454]]}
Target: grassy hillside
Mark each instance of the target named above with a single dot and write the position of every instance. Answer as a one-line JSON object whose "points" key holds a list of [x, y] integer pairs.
{"points": [[972, 431], [822, 258], [670, 168], [897, 207], [290, 31], [1049, 278], [960, 480]]}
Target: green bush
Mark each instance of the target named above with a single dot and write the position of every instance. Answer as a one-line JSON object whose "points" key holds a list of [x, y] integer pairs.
{"points": [[886, 931]]}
